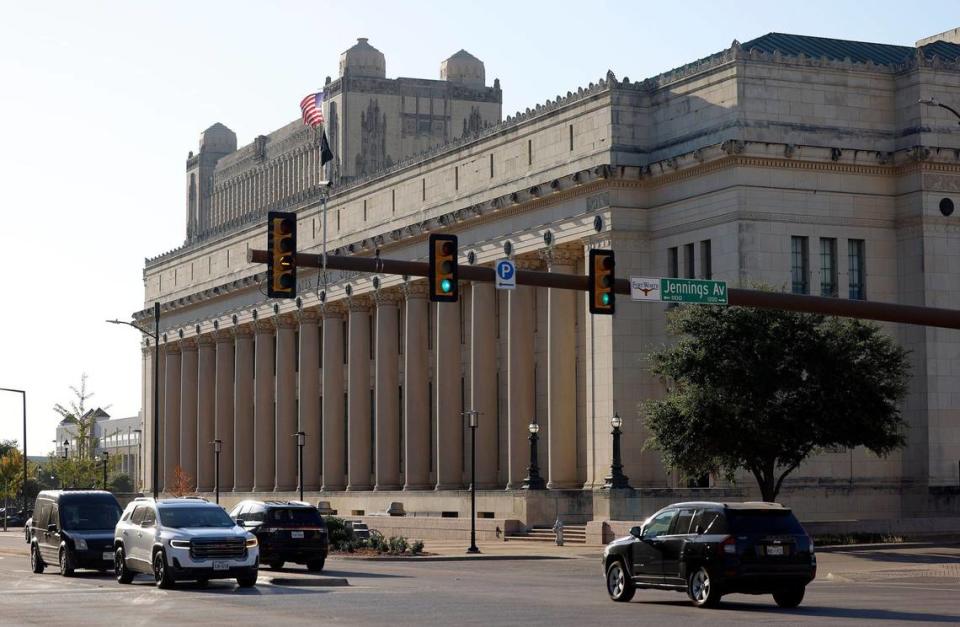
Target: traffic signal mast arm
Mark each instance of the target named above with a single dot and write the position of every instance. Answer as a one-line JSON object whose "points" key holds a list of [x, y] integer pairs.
{"points": [[886, 312]]}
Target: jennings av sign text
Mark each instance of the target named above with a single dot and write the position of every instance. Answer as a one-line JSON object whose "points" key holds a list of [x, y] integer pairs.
{"points": [[678, 290]]}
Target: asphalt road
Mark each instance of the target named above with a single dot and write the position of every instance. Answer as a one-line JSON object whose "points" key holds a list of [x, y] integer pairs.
{"points": [[882, 588]]}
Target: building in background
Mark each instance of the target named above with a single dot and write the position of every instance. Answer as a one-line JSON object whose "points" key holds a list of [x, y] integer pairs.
{"points": [[119, 437], [794, 161]]}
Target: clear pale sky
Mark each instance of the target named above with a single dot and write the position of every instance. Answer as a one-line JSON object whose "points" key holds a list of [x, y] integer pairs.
{"points": [[101, 101]]}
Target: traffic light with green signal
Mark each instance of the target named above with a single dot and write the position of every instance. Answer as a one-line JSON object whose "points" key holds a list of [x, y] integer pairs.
{"points": [[602, 280], [443, 268], [282, 246]]}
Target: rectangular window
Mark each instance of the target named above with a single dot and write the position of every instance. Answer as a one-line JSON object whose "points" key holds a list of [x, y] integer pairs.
{"points": [[491, 165], [673, 263], [364, 209], [571, 138], [857, 270], [828, 266], [691, 267], [338, 220], [423, 189], [529, 152], [799, 265], [706, 260], [456, 177], [393, 201]]}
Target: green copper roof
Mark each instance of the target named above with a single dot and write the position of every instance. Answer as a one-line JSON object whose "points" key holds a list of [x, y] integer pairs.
{"points": [[840, 49]]}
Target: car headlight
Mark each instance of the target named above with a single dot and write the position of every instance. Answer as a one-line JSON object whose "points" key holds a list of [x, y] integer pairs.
{"points": [[80, 544], [252, 542], [180, 544]]}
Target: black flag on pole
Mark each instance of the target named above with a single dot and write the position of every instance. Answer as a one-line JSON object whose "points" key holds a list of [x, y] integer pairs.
{"points": [[325, 153]]}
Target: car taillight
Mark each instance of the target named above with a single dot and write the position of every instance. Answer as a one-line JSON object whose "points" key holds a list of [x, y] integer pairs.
{"points": [[811, 545], [728, 546]]}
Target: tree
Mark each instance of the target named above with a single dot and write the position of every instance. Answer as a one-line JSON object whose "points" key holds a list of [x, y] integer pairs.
{"points": [[11, 477], [762, 390], [121, 484], [182, 482], [85, 421]]}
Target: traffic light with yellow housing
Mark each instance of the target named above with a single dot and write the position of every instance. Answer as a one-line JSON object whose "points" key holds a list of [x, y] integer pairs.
{"points": [[443, 268], [282, 246], [602, 280]]}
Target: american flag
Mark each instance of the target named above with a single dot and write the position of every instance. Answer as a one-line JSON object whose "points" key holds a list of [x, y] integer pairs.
{"points": [[312, 108]]}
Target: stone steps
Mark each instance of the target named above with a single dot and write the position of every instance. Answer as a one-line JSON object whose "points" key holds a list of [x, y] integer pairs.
{"points": [[572, 534]]}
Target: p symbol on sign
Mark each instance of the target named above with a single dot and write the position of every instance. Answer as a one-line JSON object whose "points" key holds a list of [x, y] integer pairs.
{"points": [[506, 275]]}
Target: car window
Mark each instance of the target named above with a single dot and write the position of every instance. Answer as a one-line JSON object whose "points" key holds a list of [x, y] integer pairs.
{"points": [[149, 517], [195, 517], [659, 525], [43, 513], [294, 516], [764, 521], [89, 516], [238, 511], [710, 521], [256, 514], [138, 514], [54, 516], [681, 523]]}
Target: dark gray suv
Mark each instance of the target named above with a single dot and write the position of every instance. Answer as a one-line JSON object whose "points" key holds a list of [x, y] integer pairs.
{"points": [[73, 529], [711, 549]]}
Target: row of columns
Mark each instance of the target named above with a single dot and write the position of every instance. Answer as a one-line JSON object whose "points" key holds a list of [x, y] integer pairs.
{"points": [[244, 387]]}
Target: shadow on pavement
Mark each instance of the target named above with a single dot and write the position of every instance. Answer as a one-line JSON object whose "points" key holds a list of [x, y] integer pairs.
{"points": [[826, 612], [326, 572], [907, 558]]}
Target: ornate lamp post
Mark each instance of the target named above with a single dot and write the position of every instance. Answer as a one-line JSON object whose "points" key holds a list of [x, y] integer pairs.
{"points": [[472, 416], [617, 479], [533, 481], [301, 440], [217, 445], [104, 460]]}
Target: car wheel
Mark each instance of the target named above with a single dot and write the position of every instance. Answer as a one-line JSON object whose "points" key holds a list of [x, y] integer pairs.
{"points": [[701, 589], [247, 581], [161, 572], [619, 583], [316, 565], [790, 597], [66, 562], [124, 574], [36, 562], [276, 564]]}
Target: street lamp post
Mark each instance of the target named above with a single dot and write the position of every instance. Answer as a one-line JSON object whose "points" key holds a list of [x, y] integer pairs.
{"points": [[156, 392], [23, 396], [217, 445], [301, 440], [105, 461], [138, 480], [617, 480], [533, 481], [472, 417]]}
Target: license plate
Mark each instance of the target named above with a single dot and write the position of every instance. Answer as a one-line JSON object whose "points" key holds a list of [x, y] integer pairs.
{"points": [[296, 535], [221, 565], [774, 550], [107, 556]]}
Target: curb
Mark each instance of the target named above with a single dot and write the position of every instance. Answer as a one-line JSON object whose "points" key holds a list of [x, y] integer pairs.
{"points": [[840, 548], [309, 582], [454, 558]]}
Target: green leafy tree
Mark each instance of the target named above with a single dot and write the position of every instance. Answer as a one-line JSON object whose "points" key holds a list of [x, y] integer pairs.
{"points": [[762, 390], [76, 412], [11, 476], [120, 484]]}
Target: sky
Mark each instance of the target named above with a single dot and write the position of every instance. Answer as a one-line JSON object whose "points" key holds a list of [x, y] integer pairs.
{"points": [[100, 102]]}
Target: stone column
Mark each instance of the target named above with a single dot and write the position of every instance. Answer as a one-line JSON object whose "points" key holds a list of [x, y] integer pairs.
{"points": [[171, 418], [562, 377], [333, 442], [446, 387], [264, 429], [483, 380], [286, 424], [358, 396], [206, 421], [416, 402], [520, 397], [223, 406], [188, 410], [243, 401], [387, 412], [161, 423], [309, 420]]}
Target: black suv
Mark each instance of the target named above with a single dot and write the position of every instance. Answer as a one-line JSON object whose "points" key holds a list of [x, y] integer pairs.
{"points": [[290, 531], [74, 529], [711, 549]]}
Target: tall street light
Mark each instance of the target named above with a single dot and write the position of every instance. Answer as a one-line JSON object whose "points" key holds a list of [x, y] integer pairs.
{"points": [[105, 460], [217, 446], [23, 395], [301, 440], [472, 417], [617, 480], [156, 392], [533, 481]]}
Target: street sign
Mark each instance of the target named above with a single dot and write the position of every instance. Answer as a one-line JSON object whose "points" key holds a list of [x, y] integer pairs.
{"points": [[506, 275], [698, 291]]}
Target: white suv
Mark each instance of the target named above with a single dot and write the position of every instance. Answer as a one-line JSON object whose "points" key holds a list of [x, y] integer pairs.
{"points": [[187, 538]]}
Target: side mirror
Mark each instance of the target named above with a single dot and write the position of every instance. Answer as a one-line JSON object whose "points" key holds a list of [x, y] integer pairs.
{"points": [[52, 527], [636, 532]]}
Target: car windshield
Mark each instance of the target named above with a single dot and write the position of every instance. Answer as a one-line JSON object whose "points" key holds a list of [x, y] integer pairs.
{"points": [[194, 517], [776, 522], [89, 516], [295, 516]]}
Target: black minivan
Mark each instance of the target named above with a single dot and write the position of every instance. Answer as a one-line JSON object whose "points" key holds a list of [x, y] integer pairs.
{"points": [[73, 529]]}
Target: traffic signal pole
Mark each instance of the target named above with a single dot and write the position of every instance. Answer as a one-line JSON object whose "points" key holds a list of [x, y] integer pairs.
{"points": [[885, 312]]}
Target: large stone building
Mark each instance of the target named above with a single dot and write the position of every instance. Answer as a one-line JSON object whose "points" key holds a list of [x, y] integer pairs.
{"points": [[789, 160]]}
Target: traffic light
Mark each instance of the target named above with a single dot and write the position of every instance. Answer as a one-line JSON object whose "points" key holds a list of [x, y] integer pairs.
{"points": [[602, 280], [443, 268], [282, 246]]}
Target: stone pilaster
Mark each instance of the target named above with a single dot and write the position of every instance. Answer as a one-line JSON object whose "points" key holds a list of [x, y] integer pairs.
{"points": [[244, 399], [483, 380], [416, 370], [562, 376], [309, 420], [188, 409], [286, 404], [358, 396], [446, 388], [264, 429], [206, 420], [223, 405], [333, 442], [386, 391], [521, 405], [171, 427]]}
